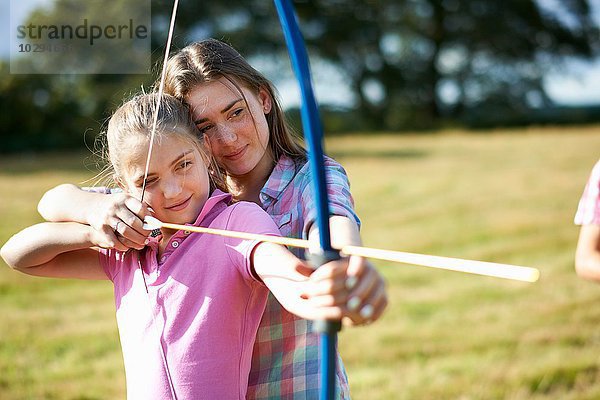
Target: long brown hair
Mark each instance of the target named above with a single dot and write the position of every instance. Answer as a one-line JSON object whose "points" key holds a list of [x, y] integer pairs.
{"points": [[211, 59]]}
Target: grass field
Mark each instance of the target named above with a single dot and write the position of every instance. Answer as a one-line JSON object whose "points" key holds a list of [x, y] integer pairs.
{"points": [[504, 196]]}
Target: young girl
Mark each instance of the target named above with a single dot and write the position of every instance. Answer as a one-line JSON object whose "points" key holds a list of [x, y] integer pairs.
{"points": [[238, 116], [188, 305]]}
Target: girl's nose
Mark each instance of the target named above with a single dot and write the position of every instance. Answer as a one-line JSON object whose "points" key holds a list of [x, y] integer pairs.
{"points": [[171, 188], [225, 134]]}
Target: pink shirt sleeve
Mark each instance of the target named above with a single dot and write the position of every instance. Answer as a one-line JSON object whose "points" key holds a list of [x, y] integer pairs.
{"points": [[247, 217], [111, 261], [588, 212]]}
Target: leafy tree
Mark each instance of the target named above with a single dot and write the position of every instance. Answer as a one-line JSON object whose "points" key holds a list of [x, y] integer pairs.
{"points": [[410, 63], [49, 111], [413, 62]]}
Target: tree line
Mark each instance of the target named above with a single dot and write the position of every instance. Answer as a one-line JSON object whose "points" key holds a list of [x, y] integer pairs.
{"points": [[410, 64]]}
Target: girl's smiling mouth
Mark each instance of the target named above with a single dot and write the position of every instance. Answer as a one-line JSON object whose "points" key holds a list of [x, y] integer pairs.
{"points": [[236, 154], [179, 205]]}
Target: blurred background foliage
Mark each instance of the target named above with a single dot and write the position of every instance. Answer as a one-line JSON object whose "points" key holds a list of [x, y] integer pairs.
{"points": [[407, 65]]}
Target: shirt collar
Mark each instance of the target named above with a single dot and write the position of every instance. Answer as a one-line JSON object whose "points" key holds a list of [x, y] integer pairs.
{"points": [[281, 176], [215, 198]]}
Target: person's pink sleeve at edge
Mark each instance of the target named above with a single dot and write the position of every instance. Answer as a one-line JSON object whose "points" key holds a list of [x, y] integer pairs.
{"points": [[588, 211]]}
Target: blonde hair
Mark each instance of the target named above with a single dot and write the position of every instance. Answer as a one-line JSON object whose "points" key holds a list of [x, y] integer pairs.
{"points": [[211, 59], [136, 117]]}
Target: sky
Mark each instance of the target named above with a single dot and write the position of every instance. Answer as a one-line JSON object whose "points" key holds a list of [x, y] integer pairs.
{"points": [[579, 85], [576, 84]]}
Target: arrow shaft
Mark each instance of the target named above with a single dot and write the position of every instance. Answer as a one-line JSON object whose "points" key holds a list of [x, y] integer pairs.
{"points": [[497, 270], [285, 241]]}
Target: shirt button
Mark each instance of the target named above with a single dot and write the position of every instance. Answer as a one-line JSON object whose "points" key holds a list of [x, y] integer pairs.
{"points": [[175, 244], [163, 259], [186, 232]]}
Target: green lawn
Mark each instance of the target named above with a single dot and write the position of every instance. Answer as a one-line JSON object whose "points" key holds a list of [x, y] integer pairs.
{"points": [[503, 196]]}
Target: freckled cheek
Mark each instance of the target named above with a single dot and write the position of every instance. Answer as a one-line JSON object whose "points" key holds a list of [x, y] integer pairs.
{"points": [[200, 177], [251, 132], [214, 148], [209, 145]]}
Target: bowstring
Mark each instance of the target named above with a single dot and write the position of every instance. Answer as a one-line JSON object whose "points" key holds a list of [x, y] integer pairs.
{"points": [[150, 148], [161, 87]]}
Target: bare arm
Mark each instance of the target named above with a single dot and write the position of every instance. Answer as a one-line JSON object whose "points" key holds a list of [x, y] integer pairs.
{"points": [[343, 232], [587, 256], [298, 287], [118, 217], [68, 202], [54, 250]]}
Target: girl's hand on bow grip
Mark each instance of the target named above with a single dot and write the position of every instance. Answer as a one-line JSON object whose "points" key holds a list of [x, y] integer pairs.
{"points": [[353, 286]]}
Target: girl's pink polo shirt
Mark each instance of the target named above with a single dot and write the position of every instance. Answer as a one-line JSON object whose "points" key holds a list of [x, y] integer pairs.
{"points": [[203, 307]]}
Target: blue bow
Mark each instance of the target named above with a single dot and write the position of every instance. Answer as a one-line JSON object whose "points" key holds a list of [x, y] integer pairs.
{"points": [[313, 134]]}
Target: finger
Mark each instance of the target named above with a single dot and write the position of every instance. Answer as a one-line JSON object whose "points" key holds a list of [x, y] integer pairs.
{"points": [[379, 301], [366, 282], [353, 317], [371, 308], [326, 287], [140, 211], [360, 305], [118, 233], [371, 290], [122, 245], [329, 300], [111, 241], [331, 270], [130, 244], [125, 230], [357, 266], [131, 219], [137, 207], [132, 238]]}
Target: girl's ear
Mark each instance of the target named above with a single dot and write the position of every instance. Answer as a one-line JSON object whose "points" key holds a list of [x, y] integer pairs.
{"points": [[265, 100]]}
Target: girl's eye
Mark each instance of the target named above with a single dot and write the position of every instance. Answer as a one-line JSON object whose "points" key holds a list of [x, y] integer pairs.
{"points": [[149, 182], [237, 112], [204, 129], [185, 164]]}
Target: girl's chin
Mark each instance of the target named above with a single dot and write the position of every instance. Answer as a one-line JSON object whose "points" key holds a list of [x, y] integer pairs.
{"points": [[182, 218], [240, 168]]}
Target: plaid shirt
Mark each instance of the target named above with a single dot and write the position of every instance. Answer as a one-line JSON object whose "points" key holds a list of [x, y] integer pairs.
{"points": [[285, 359], [588, 212]]}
